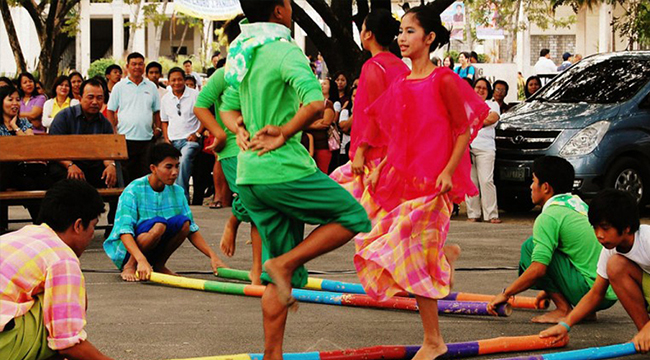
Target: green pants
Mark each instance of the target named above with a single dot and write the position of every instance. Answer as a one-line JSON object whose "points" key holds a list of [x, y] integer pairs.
{"points": [[645, 286], [229, 167], [281, 211], [28, 339], [561, 276]]}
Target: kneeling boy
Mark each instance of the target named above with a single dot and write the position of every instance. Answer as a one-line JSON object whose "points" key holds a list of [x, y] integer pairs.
{"points": [[43, 292], [560, 258], [624, 263], [153, 219]]}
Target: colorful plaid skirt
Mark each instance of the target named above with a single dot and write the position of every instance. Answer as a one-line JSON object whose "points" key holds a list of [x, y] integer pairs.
{"points": [[403, 251], [356, 185]]}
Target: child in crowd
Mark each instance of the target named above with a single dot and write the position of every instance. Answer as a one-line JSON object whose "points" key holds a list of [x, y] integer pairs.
{"points": [[624, 263], [426, 169], [561, 257], [227, 156], [153, 219]]}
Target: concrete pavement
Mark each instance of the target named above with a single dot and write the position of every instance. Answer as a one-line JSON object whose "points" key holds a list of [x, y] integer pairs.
{"points": [[146, 321]]}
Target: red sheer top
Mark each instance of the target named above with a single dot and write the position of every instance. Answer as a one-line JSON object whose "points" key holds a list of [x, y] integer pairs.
{"points": [[422, 120], [376, 76]]}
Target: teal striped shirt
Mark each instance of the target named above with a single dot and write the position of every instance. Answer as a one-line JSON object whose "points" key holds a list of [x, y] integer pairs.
{"points": [[139, 202]]}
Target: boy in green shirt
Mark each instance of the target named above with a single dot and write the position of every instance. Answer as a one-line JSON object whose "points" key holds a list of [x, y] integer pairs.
{"points": [[279, 184], [624, 262], [227, 155], [561, 257]]}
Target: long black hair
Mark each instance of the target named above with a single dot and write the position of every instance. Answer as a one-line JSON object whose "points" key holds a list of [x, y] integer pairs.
{"points": [[429, 18], [383, 25]]}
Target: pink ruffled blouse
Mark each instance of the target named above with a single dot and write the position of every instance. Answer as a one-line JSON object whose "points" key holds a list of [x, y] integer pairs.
{"points": [[422, 119]]}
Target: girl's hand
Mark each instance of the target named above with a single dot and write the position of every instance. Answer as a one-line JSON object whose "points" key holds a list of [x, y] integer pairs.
{"points": [[357, 163], [373, 179], [14, 123], [444, 182]]}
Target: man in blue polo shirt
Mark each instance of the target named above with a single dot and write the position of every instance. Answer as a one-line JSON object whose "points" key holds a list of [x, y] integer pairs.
{"points": [[134, 110]]}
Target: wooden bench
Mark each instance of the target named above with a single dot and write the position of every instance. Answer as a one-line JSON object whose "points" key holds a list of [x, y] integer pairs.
{"points": [[59, 147]]}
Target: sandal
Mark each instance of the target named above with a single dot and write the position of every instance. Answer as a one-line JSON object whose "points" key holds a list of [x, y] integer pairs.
{"points": [[495, 221], [215, 204]]}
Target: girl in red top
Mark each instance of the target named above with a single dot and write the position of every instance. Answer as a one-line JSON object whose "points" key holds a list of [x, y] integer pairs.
{"points": [[426, 120]]}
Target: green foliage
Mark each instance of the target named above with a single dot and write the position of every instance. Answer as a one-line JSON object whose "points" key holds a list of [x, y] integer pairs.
{"points": [[484, 58], [98, 67], [454, 55], [153, 12], [634, 24], [538, 12]]}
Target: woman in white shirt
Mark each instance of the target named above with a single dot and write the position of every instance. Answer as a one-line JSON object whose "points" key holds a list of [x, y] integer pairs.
{"points": [[61, 99], [483, 152]]}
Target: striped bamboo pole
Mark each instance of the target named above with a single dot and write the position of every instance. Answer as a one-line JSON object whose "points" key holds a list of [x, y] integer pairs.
{"points": [[517, 302], [325, 297]]}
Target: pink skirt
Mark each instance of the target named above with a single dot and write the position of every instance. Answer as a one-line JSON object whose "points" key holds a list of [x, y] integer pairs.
{"points": [[403, 251]]}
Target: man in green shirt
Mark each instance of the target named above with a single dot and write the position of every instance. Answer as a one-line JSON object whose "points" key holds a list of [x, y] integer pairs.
{"points": [[562, 255], [279, 184]]}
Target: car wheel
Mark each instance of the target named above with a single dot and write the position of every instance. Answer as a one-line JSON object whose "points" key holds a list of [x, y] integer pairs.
{"points": [[516, 203], [629, 175]]}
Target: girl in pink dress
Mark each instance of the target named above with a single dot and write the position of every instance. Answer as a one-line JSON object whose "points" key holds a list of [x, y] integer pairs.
{"points": [[429, 117], [377, 33]]}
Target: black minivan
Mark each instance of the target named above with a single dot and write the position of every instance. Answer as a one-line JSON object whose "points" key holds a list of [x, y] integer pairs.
{"points": [[596, 115]]}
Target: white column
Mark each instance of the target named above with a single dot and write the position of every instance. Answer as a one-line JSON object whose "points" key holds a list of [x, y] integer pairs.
{"points": [[151, 41], [196, 44], [118, 29], [83, 38], [605, 28]]}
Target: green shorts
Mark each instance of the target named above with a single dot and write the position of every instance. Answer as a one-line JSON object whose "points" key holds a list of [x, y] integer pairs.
{"points": [[561, 277], [645, 285], [281, 211], [229, 167], [28, 339]]}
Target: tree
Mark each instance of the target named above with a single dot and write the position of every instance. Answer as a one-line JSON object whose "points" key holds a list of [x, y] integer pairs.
{"points": [[157, 18], [339, 50], [634, 24], [538, 12], [54, 21]]}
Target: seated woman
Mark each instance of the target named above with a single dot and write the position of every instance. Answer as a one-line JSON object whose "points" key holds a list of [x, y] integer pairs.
{"points": [[19, 176], [61, 99]]}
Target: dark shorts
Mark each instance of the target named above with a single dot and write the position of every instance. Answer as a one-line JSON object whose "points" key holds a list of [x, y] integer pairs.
{"points": [[174, 225]]}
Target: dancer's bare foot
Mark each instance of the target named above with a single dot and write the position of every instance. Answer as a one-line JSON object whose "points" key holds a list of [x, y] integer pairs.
{"points": [[128, 273], [229, 236], [551, 317], [164, 270], [452, 253], [282, 280], [430, 351]]}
